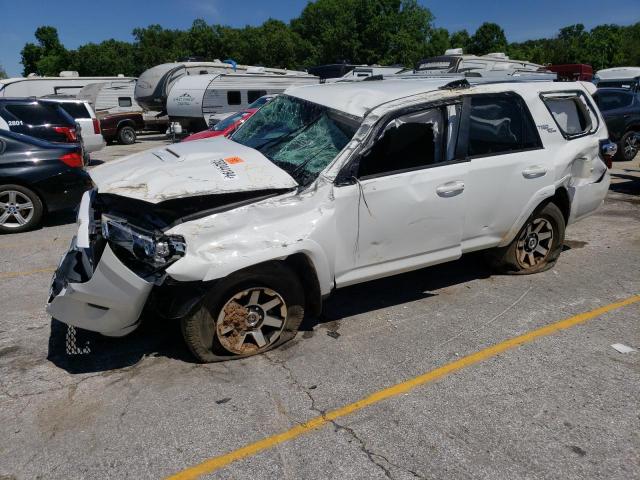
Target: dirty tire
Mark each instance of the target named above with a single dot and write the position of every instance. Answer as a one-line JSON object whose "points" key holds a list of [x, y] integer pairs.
{"points": [[127, 135], [509, 259], [13, 197], [201, 330], [627, 147]]}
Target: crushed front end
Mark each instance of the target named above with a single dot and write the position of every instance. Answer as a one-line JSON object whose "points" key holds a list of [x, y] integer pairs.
{"points": [[103, 282]]}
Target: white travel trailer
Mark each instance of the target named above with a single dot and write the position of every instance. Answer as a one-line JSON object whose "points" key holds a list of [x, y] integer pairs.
{"points": [[202, 100], [455, 61], [154, 84], [111, 97], [68, 83], [626, 77]]}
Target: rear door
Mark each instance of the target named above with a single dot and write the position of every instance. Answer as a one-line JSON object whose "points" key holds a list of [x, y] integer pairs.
{"points": [[507, 165]]}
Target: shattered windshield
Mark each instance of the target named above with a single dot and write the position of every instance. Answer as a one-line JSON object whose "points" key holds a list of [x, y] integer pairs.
{"points": [[299, 136]]}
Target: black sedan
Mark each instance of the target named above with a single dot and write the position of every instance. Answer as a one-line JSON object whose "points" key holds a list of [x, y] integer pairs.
{"points": [[620, 108], [37, 178]]}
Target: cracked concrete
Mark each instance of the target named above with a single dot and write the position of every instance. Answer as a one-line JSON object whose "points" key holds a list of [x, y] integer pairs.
{"points": [[140, 407]]}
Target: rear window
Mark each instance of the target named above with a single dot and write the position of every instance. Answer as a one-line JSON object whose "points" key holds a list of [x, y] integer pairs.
{"points": [[76, 110], [572, 113], [500, 124], [612, 100], [38, 114]]}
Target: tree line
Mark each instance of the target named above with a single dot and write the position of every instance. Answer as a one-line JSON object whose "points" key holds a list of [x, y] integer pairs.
{"points": [[385, 32]]}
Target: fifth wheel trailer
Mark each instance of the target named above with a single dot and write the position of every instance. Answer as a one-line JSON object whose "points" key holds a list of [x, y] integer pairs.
{"points": [[202, 100]]}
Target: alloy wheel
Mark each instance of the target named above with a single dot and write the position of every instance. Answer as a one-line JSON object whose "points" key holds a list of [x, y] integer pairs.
{"points": [[251, 320], [630, 147], [16, 209], [534, 243]]}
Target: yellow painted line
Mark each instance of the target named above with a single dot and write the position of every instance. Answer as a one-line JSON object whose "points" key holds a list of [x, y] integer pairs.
{"points": [[27, 272], [221, 461]]}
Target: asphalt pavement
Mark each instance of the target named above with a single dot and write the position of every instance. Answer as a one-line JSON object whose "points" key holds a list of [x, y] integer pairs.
{"points": [[563, 405]]}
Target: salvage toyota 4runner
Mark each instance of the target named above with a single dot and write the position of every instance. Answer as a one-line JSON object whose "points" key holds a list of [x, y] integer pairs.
{"points": [[324, 187]]}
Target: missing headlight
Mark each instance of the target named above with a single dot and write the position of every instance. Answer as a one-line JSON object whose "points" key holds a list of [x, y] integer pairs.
{"points": [[155, 250]]}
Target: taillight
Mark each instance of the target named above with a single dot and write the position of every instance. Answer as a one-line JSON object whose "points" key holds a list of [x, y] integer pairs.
{"points": [[72, 159], [96, 126], [69, 133], [608, 150]]}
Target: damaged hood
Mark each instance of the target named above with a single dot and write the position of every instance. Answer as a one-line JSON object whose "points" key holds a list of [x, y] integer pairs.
{"points": [[189, 169]]}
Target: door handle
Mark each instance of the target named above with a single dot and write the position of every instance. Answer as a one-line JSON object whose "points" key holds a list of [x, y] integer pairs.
{"points": [[450, 189], [534, 171]]}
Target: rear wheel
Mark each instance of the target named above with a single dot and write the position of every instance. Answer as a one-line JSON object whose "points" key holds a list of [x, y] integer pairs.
{"points": [[20, 209], [127, 135], [537, 246], [628, 146], [247, 313]]}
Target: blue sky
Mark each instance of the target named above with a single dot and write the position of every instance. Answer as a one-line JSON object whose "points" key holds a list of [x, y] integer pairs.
{"points": [[80, 22]]}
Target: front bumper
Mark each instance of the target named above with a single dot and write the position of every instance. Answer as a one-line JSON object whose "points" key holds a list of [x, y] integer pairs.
{"points": [[98, 294]]}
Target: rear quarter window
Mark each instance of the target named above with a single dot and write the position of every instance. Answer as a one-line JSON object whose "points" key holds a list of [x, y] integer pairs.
{"points": [[38, 114], [572, 112], [76, 110]]}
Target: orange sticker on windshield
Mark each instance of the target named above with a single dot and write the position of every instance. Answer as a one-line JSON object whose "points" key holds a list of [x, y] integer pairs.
{"points": [[233, 160]]}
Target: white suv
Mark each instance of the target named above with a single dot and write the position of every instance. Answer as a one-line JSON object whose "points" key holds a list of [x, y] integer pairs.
{"points": [[327, 186], [81, 111]]}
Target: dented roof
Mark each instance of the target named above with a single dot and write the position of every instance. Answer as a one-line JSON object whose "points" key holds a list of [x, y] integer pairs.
{"points": [[357, 98]]}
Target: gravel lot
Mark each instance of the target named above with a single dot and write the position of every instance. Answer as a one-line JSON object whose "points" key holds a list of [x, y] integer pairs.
{"points": [[564, 406]]}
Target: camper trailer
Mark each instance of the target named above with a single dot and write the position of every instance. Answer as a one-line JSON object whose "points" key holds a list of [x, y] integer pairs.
{"points": [[199, 101], [68, 83], [111, 97], [154, 84], [455, 61], [118, 97], [620, 77]]}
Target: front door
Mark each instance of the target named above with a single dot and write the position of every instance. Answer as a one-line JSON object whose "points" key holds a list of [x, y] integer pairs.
{"points": [[405, 209]]}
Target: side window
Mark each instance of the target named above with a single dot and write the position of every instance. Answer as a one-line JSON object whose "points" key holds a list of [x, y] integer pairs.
{"points": [[612, 100], [76, 110], [500, 124], [234, 98], [37, 114], [124, 102], [571, 112], [253, 95], [406, 143]]}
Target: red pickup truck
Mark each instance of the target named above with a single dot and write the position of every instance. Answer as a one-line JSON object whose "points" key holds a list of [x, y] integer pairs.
{"points": [[121, 126]]}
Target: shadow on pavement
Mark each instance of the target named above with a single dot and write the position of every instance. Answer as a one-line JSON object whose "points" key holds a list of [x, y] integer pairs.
{"points": [[59, 218], [163, 338], [631, 185]]}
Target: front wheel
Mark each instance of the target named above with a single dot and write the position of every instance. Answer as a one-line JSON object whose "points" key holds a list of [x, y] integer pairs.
{"points": [[249, 312], [537, 246]]}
